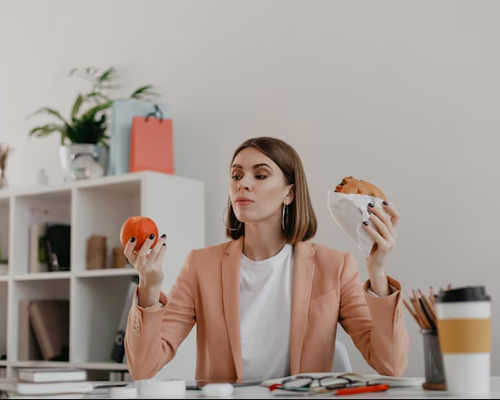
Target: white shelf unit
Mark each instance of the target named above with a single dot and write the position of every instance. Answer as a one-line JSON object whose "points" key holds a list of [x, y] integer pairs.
{"points": [[98, 206]]}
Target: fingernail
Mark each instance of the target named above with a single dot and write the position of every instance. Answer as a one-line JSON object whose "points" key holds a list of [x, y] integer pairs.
{"points": [[164, 244], [371, 205], [163, 236], [132, 239], [151, 236], [370, 212], [385, 203], [365, 223]]}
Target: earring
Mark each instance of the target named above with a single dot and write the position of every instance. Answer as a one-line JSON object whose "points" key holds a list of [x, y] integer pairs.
{"points": [[283, 217], [224, 222]]}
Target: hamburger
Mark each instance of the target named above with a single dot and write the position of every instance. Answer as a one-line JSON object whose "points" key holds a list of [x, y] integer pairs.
{"points": [[351, 185]]}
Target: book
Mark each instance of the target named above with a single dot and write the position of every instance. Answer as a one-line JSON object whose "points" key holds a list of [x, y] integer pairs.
{"points": [[52, 374], [35, 389], [118, 350], [58, 247], [50, 321], [28, 347], [37, 254], [391, 381]]}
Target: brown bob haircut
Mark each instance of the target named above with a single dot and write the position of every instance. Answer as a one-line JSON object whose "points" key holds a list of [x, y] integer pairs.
{"points": [[300, 221]]}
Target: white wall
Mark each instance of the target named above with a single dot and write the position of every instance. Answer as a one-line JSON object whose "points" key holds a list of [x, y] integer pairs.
{"points": [[404, 94]]}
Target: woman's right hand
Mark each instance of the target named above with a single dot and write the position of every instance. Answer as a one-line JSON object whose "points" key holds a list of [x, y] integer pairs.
{"points": [[149, 267]]}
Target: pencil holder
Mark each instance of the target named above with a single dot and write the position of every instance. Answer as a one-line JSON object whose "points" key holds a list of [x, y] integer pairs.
{"points": [[433, 359]]}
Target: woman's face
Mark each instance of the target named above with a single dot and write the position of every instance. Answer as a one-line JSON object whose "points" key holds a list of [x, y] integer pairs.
{"points": [[256, 177]]}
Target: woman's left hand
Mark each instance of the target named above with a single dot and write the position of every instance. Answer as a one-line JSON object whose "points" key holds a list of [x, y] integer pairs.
{"points": [[384, 236]]}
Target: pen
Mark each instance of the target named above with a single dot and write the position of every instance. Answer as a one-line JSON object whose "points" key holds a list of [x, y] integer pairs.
{"points": [[362, 389], [427, 313]]}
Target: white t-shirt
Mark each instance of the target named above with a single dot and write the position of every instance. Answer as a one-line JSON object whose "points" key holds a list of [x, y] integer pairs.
{"points": [[265, 310]]}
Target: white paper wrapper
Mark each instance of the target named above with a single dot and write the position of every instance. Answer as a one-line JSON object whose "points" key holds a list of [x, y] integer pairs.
{"points": [[349, 211]]}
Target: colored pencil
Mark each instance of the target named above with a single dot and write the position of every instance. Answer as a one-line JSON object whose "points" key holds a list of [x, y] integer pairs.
{"points": [[423, 308]]}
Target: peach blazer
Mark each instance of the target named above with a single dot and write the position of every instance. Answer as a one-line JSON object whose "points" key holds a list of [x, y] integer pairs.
{"points": [[326, 289]]}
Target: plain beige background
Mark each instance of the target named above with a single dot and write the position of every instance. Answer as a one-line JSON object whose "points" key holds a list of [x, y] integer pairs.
{"points": [[405, 94]]}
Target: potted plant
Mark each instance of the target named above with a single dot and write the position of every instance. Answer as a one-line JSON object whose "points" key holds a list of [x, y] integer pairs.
{"points": [[84, 146]]}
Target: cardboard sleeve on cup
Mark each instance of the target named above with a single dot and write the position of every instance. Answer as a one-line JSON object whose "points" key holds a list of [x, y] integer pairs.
{"points": [[468, 335]]}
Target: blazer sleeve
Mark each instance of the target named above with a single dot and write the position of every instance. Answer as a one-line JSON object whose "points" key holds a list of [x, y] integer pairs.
{"points": [[153, 334], [375, 324]]}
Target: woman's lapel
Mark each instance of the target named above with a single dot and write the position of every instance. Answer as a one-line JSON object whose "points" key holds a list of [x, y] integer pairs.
{"points": [[303, 273], [231, 299]]}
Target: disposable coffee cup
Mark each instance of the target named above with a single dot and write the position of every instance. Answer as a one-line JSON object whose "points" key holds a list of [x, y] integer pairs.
{"points": [[464, 330]]}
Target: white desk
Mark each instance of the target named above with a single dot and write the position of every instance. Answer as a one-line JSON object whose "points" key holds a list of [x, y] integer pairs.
{"points": [[263, 393]]}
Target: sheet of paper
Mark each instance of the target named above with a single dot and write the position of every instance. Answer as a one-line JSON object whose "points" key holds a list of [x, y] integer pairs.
{"points": [[349, 211]]}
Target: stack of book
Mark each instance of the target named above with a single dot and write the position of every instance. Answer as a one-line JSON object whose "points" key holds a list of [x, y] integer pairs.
{"points": [[47, 382]]}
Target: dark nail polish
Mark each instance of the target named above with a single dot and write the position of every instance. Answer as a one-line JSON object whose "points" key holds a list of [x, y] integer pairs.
{"points": [[132, 239], [163, 236], [371, 205], [365, 223], [151, 236], [370, 211], [386, 203], [164, 244]]}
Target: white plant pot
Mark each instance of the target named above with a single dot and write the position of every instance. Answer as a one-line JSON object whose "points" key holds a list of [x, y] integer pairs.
{"points": [[83, 161]]}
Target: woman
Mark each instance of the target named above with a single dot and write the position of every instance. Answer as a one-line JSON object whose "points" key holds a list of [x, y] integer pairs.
{"points": [[267, 303]]}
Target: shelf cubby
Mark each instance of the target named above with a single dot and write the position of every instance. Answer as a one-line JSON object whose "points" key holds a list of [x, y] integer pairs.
{"points": [[55, 206], [101, 210], [45, 289], [97, 315]]}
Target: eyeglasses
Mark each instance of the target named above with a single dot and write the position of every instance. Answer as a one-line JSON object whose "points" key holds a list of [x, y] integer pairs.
{"points": [[305, 383]]}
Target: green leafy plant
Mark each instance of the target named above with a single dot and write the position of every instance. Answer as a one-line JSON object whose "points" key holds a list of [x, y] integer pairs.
{"points": [[87, 122]]}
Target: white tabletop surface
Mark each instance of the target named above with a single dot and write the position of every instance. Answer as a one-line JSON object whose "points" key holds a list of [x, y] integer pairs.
{"points": [[263, 392]]}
